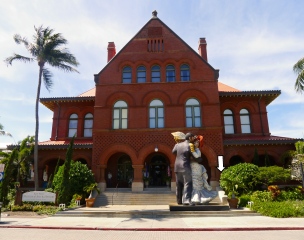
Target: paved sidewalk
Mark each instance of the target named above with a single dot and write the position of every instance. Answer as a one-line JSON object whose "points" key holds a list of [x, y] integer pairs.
{"points": [[229, 223]]}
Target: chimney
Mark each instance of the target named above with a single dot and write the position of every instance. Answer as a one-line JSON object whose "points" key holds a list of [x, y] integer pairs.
{"points": [[202, 48], [111, 50]]}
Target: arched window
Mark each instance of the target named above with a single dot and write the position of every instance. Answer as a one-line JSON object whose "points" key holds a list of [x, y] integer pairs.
{"points": [[127, 75], [120, 115], [73, 122], [141, 74], [245, 121], [88, 125], [156, 114], [185, 73], [193, 113], [228, 122], [155, 73], [170, 73]]}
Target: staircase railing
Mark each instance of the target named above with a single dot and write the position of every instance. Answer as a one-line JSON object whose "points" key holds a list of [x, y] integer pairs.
{"points": [[116, 191]]}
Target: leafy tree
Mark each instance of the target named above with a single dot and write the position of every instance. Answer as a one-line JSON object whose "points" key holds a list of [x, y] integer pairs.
{"points": [[298, 68], [64, 194], [6, 183], [80, 177], [267, 161], [46, 48], [50, 183]]}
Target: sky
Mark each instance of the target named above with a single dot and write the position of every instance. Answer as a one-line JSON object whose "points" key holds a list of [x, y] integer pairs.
{"points": [[253, 43]]}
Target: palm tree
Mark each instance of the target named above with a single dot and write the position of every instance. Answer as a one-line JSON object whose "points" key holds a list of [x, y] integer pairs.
{"points": [[298, 68], [2, 132], [46, 48]]}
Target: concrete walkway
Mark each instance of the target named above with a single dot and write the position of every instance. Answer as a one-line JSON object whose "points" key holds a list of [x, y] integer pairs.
{"points": [[197, 223]]}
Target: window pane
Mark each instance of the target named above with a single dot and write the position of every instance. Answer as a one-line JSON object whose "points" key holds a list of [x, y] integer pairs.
{"points": [[152, 123], [245, 129], [188, 122], [197, 122], [88, 123], [160, 123], [160, 112], [228, 111], [188, 112], [229, 129], [228, 120], [116, 113], [124, 113], [244, 119], [192, 101], [124, 123], [72, 132], [116, 124], [120, 104], [152, 112], [87, 133], [156, 103], [244, 111], [73, 123], [196, 111]]}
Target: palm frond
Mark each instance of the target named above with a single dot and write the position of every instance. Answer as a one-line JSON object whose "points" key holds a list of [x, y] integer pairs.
{"points": [[47, 78], [18, 39], [298, 68], [18, 57], [4, 133]]}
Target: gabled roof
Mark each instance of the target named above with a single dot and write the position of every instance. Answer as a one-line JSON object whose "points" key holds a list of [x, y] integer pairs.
{"points": [[88, 96], [260, 140], [155, 18], [269, 95]]}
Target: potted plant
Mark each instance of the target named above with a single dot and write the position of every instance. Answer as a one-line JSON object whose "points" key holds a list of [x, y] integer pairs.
{"points": [[230, 187], [91, 189], [146, 181], [167, 180]]}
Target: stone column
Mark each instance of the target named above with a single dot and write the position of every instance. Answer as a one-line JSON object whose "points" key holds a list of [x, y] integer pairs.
{"points": [[137, 184], [102, 181]]}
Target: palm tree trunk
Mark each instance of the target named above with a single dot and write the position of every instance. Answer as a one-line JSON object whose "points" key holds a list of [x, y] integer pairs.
{"points": [[37, 129]]}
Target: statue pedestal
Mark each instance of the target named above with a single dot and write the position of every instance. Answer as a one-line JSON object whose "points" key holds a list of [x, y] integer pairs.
{"points": [[137, 186]]}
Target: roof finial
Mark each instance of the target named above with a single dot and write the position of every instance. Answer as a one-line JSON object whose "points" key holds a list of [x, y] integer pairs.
{"points": [[154, 14]]}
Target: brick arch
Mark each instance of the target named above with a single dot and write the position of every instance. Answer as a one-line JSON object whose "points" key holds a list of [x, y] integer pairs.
{"points": [[161, 95], [249, 106], [187, 61], [192, 93], [85, 157], [230, 154], [124, 96], [72, 110], [162, 148], [210, 155], [125, 148], [275, 155], [124, 64], [156, 62], [230, 105]]}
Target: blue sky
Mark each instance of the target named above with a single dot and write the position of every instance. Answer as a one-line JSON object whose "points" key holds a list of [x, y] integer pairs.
{"points": [[254, 44]]}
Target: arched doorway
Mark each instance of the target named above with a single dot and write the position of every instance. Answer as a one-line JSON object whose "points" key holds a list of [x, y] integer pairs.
{"points": [[235, 160], [119, 171], [158, 169]]}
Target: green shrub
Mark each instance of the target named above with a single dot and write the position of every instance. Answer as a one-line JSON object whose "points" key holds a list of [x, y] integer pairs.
{"points": [[46, 210], [269, 175], [243, 200], [24, 207], [243, 175], [80, 176], [279, 209]]}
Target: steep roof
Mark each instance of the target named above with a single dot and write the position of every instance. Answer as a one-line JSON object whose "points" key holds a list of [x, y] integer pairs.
{"points": [[155, 18]]}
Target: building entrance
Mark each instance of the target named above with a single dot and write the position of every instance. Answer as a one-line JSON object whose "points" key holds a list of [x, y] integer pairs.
{"points": [[158, 171]]}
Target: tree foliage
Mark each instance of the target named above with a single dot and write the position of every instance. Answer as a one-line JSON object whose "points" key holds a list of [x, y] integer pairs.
{"points": [[298, 68], [47, 48]]}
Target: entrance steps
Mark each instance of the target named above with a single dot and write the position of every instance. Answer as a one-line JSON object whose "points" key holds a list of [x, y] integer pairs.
{"points": [[124, 196], [151, 203]]}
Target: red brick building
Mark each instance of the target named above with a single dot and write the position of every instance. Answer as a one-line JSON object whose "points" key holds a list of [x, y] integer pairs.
{"points": [[155, 85]]}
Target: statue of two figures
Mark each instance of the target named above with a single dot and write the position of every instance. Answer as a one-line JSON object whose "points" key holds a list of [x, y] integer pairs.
{"points": [[195, 189]]}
